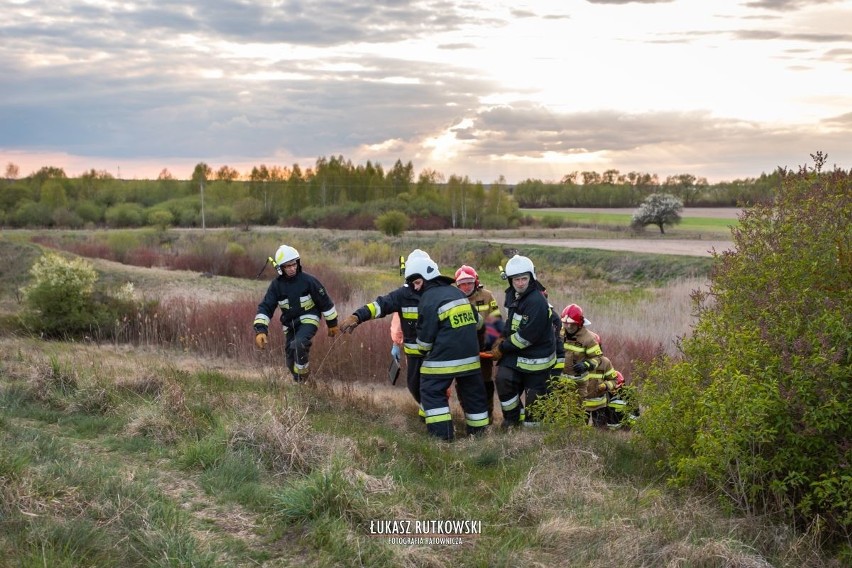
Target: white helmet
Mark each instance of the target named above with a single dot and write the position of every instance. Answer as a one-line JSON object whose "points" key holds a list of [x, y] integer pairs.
{"points": [[417, 253], [518, 265], [421, 267], [283, 255]]}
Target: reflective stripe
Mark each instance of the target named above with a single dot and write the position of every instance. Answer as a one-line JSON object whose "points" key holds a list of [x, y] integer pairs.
{"points": [[477, 419], [423, 346], [300, 369], [375, 310], [594, 403], [410, 313], [284, 304], [306, 302], [516, 321], [618, 404], [309, 319], [573, 348], [519, 341], [411, 349], [330, 314], [539, 364], [261, 319], [455, 366], [441, 414], [510, 404], [532, 424]]}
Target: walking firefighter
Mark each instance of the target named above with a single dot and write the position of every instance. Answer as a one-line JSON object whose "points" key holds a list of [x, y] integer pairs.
{"points": [[303, 301]]}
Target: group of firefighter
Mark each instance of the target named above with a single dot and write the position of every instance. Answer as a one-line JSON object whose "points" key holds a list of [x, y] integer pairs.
{"points": [[452, 330]]}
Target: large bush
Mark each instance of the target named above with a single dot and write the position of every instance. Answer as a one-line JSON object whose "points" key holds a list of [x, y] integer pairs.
{"points": [[64, 301], [758, 408]]}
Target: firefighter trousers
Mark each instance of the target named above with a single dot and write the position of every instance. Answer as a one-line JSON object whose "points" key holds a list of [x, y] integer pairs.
{"points": [[517, 390], [298, 348], [436, 405]]}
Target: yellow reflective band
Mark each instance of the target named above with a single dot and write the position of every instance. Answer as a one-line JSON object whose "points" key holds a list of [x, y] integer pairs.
{"points": [[510, 404], [374, 309]]}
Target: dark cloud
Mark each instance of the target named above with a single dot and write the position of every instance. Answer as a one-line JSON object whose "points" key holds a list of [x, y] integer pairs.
{"points": [[785, 5]]}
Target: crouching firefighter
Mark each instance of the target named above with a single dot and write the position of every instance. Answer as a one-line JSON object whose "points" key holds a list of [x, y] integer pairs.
{"points": [[302, 300], [447, 336]]}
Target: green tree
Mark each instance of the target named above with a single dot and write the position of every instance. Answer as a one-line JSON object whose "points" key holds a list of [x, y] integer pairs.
{"points": [[757, 408], [658, 209], [248, 211], [392, 223]]}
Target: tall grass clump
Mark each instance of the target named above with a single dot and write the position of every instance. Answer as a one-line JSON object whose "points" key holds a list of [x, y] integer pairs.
{"points": [[756, 408]]}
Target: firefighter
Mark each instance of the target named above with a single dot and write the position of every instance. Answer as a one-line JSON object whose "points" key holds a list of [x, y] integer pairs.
{"points": [[303, 300], [526, 352], [483, 302], [601, 383], [404, 302], [582, 354], [447, 329]]}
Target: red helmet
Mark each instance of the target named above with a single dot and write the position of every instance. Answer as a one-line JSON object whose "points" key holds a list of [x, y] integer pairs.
{"points": [[574, 314], [465, 272]]}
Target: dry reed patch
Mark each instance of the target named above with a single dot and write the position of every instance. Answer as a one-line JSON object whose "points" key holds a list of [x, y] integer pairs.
{"points": [[284, 441], [708, 552], [559, 480]]}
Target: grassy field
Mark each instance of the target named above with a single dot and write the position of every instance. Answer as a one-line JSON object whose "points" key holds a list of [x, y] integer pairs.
{"points": [[184, 446], [710, 224]]}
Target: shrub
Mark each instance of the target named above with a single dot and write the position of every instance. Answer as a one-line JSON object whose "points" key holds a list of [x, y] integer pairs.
{"points": [[757, 407], [160, 218], [64, 302], [125, 215], [392, 223]]}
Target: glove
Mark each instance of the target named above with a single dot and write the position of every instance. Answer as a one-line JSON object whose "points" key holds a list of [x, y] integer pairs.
{"points": [[395, 352], [333, 331], [581, 367], [602, 387], [496, 352], [349, 323], [261, 339]]}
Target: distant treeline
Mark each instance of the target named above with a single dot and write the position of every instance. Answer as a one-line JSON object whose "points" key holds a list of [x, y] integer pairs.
{"points": [[334, 194]]}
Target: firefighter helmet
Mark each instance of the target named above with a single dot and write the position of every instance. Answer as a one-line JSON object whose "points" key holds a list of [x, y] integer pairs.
{"points": [[286, 254], [417, 253], [421, 267], [466, 273], [574, 314], [518, 265]]}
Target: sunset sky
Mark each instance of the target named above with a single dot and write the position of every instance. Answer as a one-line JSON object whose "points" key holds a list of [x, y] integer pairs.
{"points": [[719, 89]]}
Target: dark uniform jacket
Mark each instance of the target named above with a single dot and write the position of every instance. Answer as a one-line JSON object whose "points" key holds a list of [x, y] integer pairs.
{"points": [[529, 342], [403, 300], [447, 330], [302, 300]]}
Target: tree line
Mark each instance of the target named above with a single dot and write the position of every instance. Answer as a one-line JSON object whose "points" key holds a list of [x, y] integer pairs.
{"points": [[334, 193]]}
